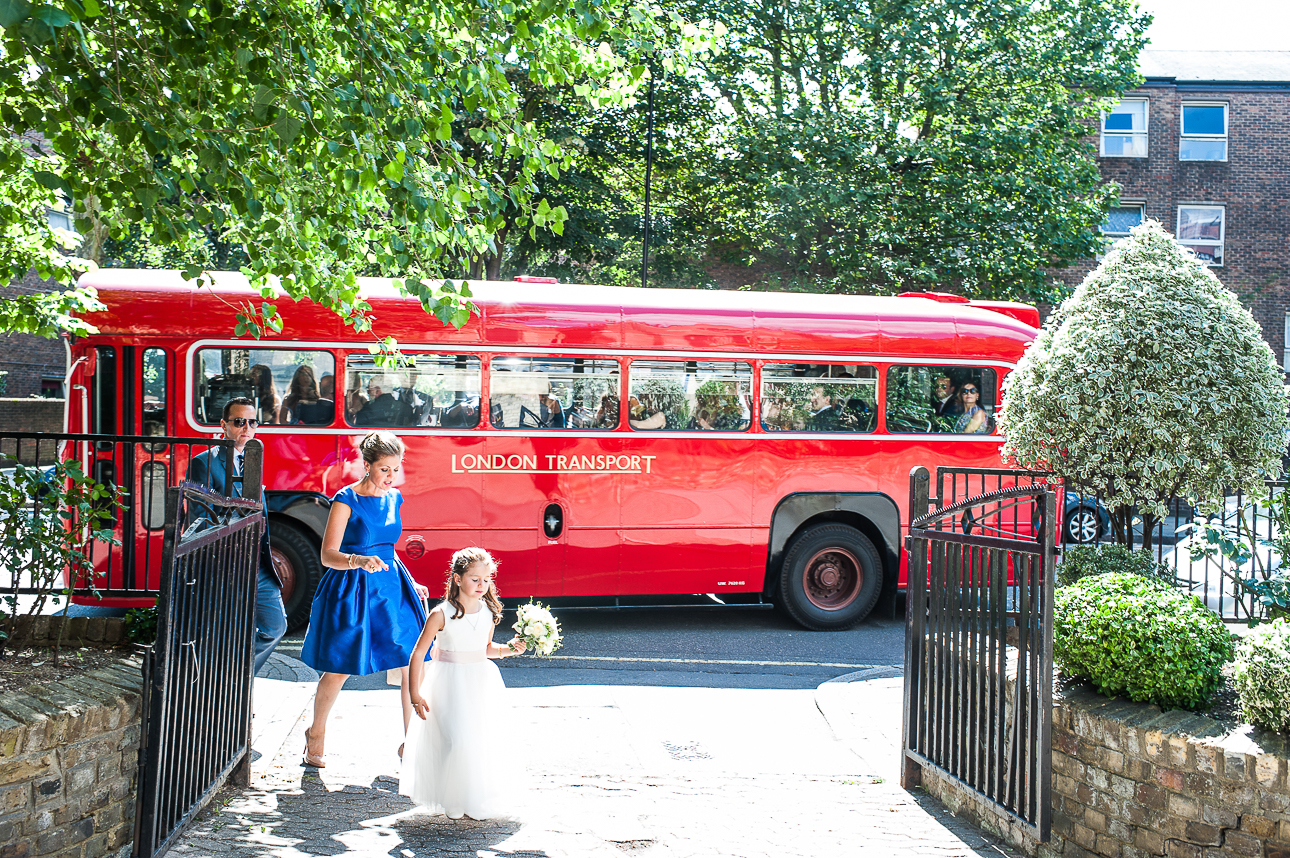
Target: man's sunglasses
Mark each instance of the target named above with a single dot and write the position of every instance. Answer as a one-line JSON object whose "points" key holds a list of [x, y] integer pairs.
{"points": [[239, 422]]}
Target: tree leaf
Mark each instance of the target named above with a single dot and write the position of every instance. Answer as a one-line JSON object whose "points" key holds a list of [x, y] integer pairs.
{"points": [[13, 13], [287, 127]]}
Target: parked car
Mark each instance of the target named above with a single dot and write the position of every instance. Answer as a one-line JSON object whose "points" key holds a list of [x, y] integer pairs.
{"points": [[1084, 520]]}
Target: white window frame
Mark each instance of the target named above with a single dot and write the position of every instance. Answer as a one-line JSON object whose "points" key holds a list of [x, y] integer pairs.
{"points": [[1184, 137], [1140, 205], [1222, 232], [1146, 126], [1285, 350]]}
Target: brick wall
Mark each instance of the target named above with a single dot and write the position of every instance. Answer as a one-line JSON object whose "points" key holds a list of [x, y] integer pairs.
{"points": [[29, 360], [68, 762], [1131, 781], [31, 415]]}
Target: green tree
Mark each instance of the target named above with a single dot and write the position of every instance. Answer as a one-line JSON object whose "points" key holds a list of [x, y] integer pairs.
{"points": [[314, 135], [883, 145], [1150, 382], [603, 190]]}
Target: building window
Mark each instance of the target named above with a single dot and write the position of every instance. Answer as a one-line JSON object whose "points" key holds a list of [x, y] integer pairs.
{"points": [[1285, 351], [60, 220], [1200, 229], [1204, 132], [1124, 130], [1123, 218]]}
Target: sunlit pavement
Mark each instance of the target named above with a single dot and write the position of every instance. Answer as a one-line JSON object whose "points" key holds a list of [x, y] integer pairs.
{"points": [[603, 770]]}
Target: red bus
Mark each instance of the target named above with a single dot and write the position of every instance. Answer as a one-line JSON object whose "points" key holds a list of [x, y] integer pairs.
{"points": [[600, 441]]}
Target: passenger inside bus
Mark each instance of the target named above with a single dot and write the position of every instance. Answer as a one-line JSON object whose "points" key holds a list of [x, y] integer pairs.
{"points": [[462, 414], [382, 407], [550, 413], [644, 414], [304, 404], [606, 416], [265, 393]]}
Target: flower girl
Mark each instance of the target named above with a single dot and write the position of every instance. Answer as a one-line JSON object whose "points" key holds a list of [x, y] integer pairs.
{"points": [[449, 763]]}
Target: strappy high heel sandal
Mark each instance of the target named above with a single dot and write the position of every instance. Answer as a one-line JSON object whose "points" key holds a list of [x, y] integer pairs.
{"points": [[315, 760]]}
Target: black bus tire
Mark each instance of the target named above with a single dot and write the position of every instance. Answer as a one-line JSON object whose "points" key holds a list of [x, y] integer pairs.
{"points": [[831, 578], [296, 558]]}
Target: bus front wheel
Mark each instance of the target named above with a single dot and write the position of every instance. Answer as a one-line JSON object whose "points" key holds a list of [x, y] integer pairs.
{"points": [[296, 560], [831, 577]]}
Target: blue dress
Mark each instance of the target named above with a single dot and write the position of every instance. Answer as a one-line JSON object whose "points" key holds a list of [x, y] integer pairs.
{"points": [[365, 622]]}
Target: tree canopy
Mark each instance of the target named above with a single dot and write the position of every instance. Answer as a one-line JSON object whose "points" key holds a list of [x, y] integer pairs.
{"points": [[882, 145], [315, 135], [1150, 382]]}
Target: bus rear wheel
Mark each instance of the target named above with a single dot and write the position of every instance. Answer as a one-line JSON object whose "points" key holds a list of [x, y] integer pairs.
{"points": [[831, 577], [297, 562]]}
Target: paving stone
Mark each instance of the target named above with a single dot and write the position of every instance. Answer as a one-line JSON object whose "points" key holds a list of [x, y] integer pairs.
{"points": [[597, 780]]}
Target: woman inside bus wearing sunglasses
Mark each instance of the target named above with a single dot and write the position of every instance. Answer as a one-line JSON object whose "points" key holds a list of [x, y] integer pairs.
{"points": [[974, 420]]}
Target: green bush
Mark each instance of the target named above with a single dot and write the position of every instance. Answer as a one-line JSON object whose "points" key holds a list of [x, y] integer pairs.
{"points": [[1082, 561], [1141, 638], [141, 625], [1261, 676]]}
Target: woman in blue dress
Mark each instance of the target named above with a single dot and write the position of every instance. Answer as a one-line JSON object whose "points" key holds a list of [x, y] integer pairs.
{"points": [[367, 612]]}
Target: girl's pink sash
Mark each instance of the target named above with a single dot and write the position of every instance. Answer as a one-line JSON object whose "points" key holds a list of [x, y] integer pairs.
{"points": [[460, 656]]}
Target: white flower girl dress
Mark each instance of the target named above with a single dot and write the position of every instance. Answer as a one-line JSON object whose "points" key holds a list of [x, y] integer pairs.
{"points": [[453, 760]]}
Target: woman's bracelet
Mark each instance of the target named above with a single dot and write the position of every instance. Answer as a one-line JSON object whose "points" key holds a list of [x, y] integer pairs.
{"points": [[351, 561]]}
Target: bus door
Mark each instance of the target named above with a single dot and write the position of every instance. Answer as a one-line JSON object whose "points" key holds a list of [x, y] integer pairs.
{"points": [[128, 395], [154, 463], [109, 415], [688, 495]]}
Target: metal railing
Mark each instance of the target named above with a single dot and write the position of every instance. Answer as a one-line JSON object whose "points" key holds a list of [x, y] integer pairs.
{"points": [[144, 468], [979, 638], [1173, 537], [196, 731]]}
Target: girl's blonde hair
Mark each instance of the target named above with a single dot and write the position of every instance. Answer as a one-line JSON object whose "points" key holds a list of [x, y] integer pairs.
{"points": [[461, 562]]}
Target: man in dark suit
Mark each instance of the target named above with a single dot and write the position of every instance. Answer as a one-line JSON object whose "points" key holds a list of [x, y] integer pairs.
{"points": [[215, 472], [944, 402], [383, 408]]}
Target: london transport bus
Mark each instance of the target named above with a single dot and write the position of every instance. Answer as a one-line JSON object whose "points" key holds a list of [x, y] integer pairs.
{"points": [[599, 441]]}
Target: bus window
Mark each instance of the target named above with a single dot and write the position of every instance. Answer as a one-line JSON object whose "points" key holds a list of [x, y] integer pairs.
{"points": [[553, 393], [103, 393], [423, 390], [292, 386], [154, 392], [690, 395], [948, 399], [797, 397]]}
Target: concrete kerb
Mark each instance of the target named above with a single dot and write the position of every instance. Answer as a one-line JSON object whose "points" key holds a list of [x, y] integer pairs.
{"points": [[863, 709]]}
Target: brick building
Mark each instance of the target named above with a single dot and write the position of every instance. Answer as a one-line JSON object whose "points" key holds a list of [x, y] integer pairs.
{"points": [[1203, 146], [33, 366]]}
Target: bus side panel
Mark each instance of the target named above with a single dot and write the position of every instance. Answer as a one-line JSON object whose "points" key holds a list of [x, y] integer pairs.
{"points": [[599, 561], [529, 474], [685, 517], [442, 504], [300, 462], [894, 458], [688, 560]]}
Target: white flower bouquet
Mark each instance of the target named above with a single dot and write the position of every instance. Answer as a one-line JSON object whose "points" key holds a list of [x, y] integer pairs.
{"points": [[539, 630]]}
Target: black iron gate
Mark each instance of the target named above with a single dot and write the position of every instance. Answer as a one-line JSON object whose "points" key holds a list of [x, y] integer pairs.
{"points": [[196, 731], [979, 639]]}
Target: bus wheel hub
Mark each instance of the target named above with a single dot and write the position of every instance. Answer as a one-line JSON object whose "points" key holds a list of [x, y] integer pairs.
{"points": [[832, 579]]}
